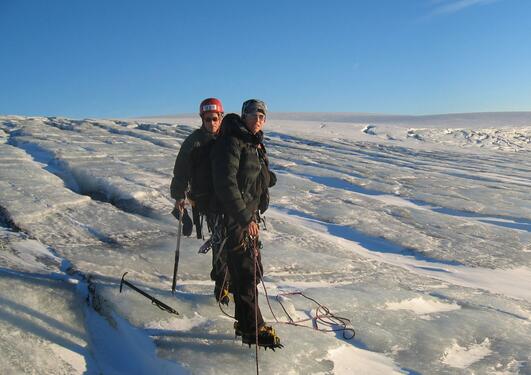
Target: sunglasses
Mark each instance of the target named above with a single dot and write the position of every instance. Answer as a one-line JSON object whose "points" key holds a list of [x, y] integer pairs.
{"points": [[211, 118], [257, 115]]}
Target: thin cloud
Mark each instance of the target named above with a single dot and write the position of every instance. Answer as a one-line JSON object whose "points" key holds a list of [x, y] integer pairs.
{"points": [[454, 6]]}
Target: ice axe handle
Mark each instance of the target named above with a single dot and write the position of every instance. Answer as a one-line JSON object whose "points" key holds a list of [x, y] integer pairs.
{"points": [[161, 305], [176, 262]]}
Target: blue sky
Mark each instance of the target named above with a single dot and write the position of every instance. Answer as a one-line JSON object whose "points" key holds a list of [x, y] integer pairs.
{"points": [[124, 58]]}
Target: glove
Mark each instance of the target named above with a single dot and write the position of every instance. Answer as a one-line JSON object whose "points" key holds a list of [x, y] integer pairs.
{"points": [[188, 226]]}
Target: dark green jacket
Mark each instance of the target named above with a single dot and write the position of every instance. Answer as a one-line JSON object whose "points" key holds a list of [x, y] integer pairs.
{"points": [[240, 170], [182, 168]]}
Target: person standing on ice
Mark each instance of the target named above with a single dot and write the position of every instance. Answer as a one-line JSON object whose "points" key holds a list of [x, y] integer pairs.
{"points": [[184, 172], [242, 179]]}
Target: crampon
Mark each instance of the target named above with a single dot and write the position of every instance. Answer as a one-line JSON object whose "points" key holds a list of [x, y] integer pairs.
{"points": [[267, 338]]}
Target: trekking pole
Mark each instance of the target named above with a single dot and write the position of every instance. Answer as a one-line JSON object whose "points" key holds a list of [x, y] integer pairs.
{"points": [[177, 250], [255, 258]]}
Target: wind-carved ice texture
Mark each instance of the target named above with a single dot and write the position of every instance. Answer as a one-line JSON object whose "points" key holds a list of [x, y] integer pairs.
{"points": [[417, 229]]}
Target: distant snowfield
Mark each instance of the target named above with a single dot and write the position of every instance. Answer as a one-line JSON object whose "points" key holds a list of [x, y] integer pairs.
{"points": [[416, 229]]}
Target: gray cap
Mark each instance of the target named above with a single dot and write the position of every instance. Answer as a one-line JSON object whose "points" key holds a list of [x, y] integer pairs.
{"points": [[253, 106]]}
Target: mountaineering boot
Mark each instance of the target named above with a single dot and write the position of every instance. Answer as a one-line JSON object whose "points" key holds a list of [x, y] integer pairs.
{"points": [[267, 338], [222, 295]]}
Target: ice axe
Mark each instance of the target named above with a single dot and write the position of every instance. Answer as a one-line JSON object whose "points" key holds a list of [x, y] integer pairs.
{"points": [[161, 305]]}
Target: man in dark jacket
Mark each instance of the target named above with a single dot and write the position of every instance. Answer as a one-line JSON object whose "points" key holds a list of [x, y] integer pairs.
{"points": [[242, 180], [211, 112]]}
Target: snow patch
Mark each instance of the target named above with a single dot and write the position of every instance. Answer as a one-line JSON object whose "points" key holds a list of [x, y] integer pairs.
{"points": [[351, 360], [178, 324], [462, 357], [125, 349], [412, 133], [24, 254], [76, 360], [369, 129], [422, 306]]}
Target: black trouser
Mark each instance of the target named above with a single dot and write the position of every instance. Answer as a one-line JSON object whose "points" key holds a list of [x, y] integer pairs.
{"points": [[240, 261], [219, 273]]}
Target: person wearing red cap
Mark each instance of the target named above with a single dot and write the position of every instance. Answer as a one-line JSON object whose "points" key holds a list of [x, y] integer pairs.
{"points": [[211, 113]]}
